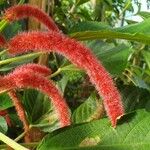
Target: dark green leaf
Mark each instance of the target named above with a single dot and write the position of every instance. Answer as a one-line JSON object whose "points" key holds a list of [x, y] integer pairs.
{"points": [[114, 58]]}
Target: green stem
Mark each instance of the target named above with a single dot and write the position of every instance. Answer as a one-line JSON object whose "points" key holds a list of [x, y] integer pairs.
{"points": [[55, 73], [24, 144], [20, 136], [11, 143], [3, 24], [20, 58], [21, 2], [3, 52]]}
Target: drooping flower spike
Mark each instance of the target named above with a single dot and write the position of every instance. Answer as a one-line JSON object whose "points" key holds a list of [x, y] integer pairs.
{"points": [[36, 68], [23, 11], [80, 56], [30, 79]]}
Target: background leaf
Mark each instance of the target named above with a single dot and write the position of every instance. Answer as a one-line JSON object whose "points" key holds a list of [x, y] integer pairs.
{"points": [[91, 109]]}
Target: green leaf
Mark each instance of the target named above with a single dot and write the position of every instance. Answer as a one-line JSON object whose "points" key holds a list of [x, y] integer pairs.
{"points": [[5, 101], [89, 110], [134, 98], [133, 133], [2, 2], [146, 55], [61, 84], [3, 125], [89, 26], [40, 111], [114, 58], [137, 32], [80, 2], [144, 14]]}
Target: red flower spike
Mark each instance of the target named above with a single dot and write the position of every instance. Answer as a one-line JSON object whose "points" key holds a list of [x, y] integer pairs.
{"points": [[19, 109], [2, 41], [44, 71], [23, 11], [29, 79], [79, 55]]}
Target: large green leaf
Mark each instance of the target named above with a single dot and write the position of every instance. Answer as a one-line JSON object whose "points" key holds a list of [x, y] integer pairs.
{"points": [[91, 109], [114, 58], [137, 32], [133, 133]]}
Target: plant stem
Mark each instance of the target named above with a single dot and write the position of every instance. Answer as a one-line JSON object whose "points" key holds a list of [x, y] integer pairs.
{"points": [[20, 58], [3, 24], [55, 73], [3, 52], [24, 144], [20, 136], [21, 2], [11, 143]]}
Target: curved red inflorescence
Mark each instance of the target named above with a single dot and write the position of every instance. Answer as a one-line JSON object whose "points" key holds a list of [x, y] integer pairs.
{"points": [[80, 56], [36, 68], [30, 79], [23, 11]]}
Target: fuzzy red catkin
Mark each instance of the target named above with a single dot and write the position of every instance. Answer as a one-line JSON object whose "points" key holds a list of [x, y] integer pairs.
{"points": [[80, 56], [23, 11], [19, 109], [29, 79], [36, 68]]}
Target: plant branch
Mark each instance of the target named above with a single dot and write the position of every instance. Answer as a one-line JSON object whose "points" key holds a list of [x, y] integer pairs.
{"points": [[11, 142]]}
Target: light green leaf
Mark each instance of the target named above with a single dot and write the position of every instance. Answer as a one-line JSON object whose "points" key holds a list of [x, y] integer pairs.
{"points": [[5, 101], [137, 32], [132, 134], [91, 109], [144, 14]]}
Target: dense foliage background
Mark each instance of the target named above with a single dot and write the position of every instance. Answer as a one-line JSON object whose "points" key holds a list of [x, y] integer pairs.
{"points": [[119, 42]]}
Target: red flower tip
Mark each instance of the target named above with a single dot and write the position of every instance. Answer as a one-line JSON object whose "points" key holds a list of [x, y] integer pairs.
{"points": [[2, 41], [80, 56], [23, 11], [36, 68]]}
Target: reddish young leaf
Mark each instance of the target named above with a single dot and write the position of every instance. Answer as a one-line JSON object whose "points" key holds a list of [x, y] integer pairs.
{"points": [[23, 11], [2, 41], [5, 114], [80, 56]]}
